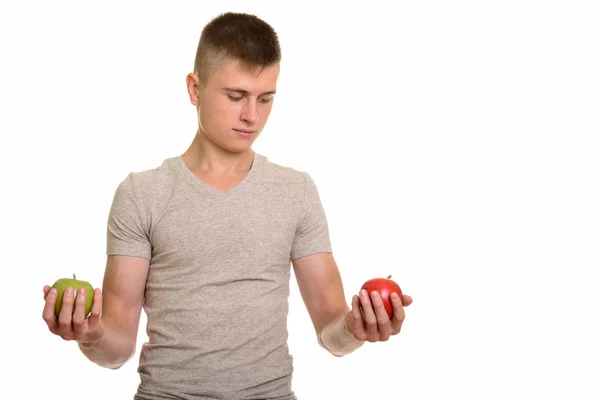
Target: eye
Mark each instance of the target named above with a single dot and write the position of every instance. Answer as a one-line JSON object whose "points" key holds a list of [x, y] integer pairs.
{"points": [[267, 100], [234, 98]]}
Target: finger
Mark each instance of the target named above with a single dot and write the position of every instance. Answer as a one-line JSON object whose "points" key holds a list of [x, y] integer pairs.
{"points": [[399, 315], [94, 318], [65, 316], [383, 319], [46, 290], [359, 328], [79, 314], [406, 300], [48, 313], [369, 315]]}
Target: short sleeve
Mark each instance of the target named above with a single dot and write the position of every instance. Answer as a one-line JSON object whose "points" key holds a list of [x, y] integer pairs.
{"points": [[312, 231], [126, 229]]}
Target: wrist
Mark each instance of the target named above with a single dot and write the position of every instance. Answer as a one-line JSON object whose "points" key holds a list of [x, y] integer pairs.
{"points": [[348, 324], [92, 344], [337, 337]]}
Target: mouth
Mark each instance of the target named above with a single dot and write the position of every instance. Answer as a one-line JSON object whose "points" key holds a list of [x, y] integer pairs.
{"points": [[244, 132]]}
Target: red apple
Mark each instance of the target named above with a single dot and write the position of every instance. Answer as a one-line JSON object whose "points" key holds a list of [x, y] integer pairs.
{"points": [[385, 287]]}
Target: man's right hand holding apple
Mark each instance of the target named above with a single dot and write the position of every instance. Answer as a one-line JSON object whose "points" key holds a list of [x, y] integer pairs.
{"points": [[108, 335], [73, 324]]}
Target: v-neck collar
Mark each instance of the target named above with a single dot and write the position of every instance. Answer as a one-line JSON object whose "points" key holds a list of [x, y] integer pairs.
{"points": [[195, 180]]}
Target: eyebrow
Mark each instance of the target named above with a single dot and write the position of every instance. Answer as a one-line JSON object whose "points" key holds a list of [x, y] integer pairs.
{"points": [[242, 91]]}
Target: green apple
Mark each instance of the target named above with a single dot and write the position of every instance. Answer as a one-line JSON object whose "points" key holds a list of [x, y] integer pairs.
{"points": [[62, 284]]}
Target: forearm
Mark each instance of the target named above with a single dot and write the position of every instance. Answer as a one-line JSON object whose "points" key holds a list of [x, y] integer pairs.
{"points": [[337, 339], [112, 350]]}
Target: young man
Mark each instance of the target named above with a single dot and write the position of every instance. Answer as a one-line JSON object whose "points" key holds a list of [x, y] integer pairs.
{"points": [[204, 244]]}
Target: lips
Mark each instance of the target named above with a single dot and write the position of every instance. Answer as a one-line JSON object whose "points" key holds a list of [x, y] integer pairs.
{"points": [[245, 133]]}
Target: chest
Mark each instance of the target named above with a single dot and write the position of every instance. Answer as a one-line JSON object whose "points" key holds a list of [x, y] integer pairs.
{"points": [[223, 239]]}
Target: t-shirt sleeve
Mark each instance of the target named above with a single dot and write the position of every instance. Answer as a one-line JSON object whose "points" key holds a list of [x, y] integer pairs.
{"points": [[312, 231], [127, 231]]}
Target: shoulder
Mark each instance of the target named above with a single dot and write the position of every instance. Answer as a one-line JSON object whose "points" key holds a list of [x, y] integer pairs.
{"points": [[279, 174], [146, 183]]}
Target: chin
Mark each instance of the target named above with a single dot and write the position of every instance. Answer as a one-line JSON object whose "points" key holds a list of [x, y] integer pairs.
{"points": [[238, 147], [232, 145], [241, 145]]}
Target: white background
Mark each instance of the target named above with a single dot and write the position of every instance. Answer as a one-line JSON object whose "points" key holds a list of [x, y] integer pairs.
{"points": [[454, 144]]}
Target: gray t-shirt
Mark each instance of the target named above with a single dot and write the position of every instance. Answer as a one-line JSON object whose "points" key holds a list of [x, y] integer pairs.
{"points": [[217, 291]]}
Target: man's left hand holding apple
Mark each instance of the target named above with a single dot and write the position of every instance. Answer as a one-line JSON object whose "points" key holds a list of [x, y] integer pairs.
{"points": [[369, 321]]}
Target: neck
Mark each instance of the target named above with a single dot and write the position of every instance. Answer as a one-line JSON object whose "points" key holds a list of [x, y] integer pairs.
{"points": [[203, 155]]}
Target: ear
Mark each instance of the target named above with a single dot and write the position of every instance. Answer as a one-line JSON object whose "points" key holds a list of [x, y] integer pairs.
{"points": [[193, 86]]}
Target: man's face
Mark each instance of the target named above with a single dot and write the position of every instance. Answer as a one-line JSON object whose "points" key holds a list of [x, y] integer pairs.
{"points": [[234, 104]]}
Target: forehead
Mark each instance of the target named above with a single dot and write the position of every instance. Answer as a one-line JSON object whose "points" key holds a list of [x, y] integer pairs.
{"points": [[257, 81]]}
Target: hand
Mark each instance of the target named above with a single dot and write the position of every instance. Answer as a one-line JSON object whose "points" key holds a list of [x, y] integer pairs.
{"points": [[368, 320], [74, 326]]}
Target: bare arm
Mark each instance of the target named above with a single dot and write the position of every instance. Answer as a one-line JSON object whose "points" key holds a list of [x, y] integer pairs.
{"points": [[322, 291], [321, 288], [341, 330], [123, 294]]}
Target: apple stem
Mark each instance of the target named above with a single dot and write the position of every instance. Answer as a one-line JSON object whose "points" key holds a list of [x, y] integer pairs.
{"points": [[74, 277], [389, 277]]}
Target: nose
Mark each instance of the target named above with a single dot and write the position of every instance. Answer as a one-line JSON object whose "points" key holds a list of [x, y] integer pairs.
{"points": [[249, 113]]}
